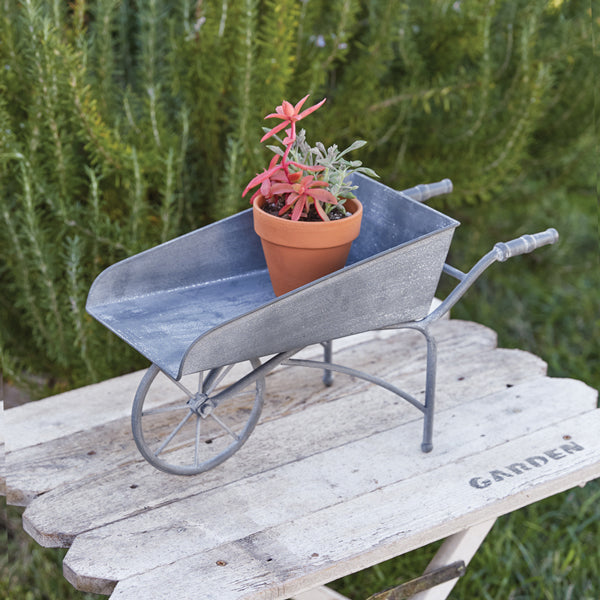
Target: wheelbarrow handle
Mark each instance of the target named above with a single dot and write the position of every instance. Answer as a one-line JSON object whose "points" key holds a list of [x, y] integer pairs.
{"points": [[423, 192], [525, 244], [500, 252]]}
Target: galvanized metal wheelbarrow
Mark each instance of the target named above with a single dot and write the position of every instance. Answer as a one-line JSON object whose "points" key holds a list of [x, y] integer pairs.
{"points": [[203, 302]]}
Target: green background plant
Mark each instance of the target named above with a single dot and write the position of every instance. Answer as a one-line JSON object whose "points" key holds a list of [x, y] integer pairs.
{"points": [[125, 123]]}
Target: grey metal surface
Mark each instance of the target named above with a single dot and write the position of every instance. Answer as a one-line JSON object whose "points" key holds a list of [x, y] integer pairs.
{"points": [[205, 299]]}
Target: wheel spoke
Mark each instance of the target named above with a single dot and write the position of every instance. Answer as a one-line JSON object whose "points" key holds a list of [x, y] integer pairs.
{"points": [[197, 441], [212, 383], [225, 427], [162, 409], [180, 386], [173, 433]]}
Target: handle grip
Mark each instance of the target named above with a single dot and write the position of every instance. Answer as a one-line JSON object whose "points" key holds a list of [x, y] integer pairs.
{"points": [[423, 192], [525, 244]]}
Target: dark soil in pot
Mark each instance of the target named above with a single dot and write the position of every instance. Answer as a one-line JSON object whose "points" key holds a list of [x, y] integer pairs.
{"points": [[336, 213]]}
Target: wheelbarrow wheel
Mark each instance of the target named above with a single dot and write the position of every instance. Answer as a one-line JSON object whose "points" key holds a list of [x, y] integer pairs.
{"points": [[186, 432]]}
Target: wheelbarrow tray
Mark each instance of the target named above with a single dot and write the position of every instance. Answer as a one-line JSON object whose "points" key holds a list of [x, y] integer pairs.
{"points": [[205, 300]]}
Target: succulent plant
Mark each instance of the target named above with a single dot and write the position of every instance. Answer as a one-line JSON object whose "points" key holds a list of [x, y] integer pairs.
{"points": [[300, 176]]}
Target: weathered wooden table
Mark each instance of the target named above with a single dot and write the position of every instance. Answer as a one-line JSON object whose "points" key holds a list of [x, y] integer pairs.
{"points": [[331, 481]]}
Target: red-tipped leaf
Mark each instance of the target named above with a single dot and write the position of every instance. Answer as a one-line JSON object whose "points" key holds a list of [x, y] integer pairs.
{"points": [[260, 177], [281, 188], [275, 130], [298, 208], [322, 196], [310, 110], [300, 103], [321, 212]]}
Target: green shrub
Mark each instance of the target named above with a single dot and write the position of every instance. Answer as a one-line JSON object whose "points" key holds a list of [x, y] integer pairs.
{"points": [[126, 123]]}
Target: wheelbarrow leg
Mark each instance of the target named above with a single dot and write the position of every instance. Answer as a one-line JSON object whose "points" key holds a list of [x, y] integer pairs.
{"points": [[427, 443], [327, 357]]}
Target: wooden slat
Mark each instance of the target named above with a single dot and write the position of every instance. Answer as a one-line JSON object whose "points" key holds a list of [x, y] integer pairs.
{"points": [[320, 593], [280, 561], [319, 484], [65, 414]]}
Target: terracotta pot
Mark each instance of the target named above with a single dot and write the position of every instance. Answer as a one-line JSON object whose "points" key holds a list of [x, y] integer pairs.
{"points": [[298, 252]]}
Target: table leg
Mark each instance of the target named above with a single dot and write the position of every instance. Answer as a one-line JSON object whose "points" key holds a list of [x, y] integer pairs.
{"points": [[460, 546]]}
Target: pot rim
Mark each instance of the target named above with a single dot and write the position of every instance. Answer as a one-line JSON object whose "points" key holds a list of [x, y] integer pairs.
{"points": [[312, 234]]}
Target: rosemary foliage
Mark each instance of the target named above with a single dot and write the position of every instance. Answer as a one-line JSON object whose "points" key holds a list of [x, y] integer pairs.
{"points": [[123, 124]]}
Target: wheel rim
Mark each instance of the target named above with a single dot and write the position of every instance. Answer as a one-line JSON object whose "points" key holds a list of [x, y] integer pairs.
{"points": [[180, 429]]}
